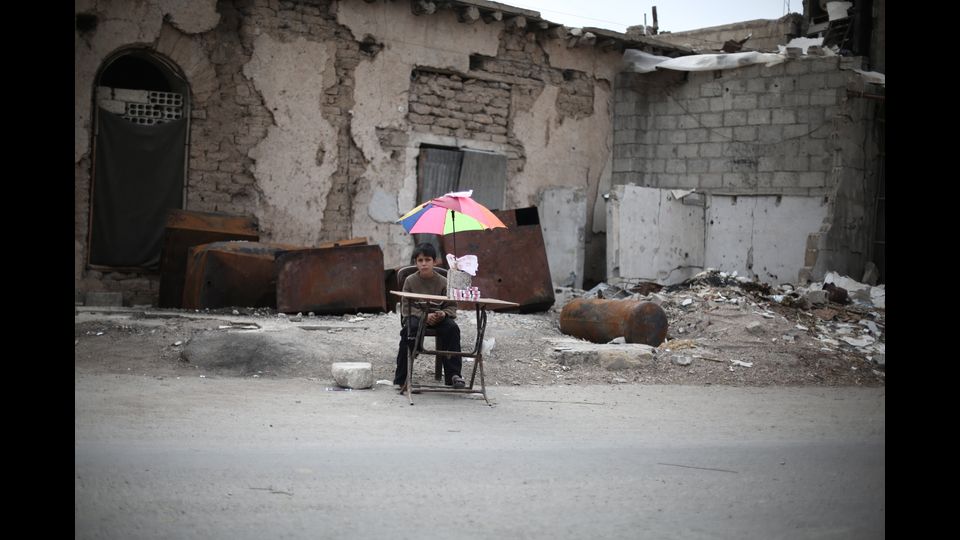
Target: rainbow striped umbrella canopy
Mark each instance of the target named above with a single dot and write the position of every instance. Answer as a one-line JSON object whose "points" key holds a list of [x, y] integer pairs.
{"points": [[448, 214]]}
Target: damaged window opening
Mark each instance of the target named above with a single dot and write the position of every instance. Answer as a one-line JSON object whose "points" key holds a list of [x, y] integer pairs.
{"points": [[442, 169], [139, 144]]}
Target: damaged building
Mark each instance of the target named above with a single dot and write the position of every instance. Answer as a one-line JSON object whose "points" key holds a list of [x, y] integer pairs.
{"points": [[325, 120]]}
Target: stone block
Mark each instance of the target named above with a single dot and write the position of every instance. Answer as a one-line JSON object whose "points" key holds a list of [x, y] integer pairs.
{"points": [[357, 375]]}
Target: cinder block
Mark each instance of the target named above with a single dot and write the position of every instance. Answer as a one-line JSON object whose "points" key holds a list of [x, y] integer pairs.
{"points": [[758, 116], [824, 97], [677, 166], [770, 134], [745, 133], [104, 298], [112, 105], [711, 119], [697, 166], [720, 165], [734, 179], [812, 82], [797, 67], [708, 181], [688, 150], [734, 118], [697, 135], [709, 150], [721, 134], [770, 101], [696, 106], [666, 122], [747, 101], [796, 163], [785, 179], [783, 116], [673, 137], [131, 96], [711, 89], [622, 165], [812, 179]]}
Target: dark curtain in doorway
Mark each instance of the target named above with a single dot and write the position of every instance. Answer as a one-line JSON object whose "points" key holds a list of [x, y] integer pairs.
{"points": [[138, 178]]}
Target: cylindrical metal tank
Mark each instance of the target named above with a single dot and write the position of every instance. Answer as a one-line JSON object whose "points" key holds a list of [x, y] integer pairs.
{"points": [[600, 320]]}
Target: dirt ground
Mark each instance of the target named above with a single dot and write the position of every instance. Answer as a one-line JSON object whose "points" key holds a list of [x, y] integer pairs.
{"points": [[729, 335]]}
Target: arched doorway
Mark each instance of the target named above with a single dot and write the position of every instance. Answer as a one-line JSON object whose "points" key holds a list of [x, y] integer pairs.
{"points": [[141, 130]]}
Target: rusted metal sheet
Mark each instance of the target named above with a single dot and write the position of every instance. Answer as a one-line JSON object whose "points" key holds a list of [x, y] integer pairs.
{"points": [[185, 229], [600, 320], [513, 261], [333, 280], [225, 274]]}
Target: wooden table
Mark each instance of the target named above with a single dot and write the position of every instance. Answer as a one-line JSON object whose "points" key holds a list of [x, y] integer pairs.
{"points": [[424, 301]]}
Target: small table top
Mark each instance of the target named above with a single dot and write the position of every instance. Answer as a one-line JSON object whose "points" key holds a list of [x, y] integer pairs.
{"points": [[438, 298]]}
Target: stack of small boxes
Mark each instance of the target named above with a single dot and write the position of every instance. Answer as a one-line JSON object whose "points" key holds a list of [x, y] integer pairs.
{"points": [[458, 286], [470, 293]]}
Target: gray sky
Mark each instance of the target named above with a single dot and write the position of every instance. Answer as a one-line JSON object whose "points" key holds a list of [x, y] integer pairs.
{"points": [[672, 15]]}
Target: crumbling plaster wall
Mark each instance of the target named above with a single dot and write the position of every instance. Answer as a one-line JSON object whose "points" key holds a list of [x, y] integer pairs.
{"points": [[789, 129], [294, 164], [381, 116], [301, 112]]}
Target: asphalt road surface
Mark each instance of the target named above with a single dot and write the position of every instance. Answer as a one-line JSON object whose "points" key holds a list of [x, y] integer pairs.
{"points": [[253, 458]]}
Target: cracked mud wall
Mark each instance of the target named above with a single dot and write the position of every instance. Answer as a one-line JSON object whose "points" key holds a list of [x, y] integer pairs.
{"points": [[294, 162]]}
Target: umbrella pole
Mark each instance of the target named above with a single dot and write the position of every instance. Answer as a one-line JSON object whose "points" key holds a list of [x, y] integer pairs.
{"points": [[453, 225]]}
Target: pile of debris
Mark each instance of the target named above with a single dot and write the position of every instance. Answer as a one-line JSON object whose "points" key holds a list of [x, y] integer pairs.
{"points": [[838, 315]]}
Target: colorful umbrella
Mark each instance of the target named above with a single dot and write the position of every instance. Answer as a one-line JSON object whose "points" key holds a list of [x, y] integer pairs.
{"points": [[448, 214]]}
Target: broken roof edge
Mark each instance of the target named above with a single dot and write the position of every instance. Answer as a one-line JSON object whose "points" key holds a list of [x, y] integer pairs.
{"points": [[646, 43]]}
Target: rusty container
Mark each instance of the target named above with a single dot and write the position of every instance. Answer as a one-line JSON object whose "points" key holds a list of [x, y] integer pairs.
{"points": [[600, 321], [186, 229], [513, 261], [331, 281], [228, 274]]}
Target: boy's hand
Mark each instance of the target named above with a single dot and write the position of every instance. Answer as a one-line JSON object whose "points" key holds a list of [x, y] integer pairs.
{"points": [[435, 317]]}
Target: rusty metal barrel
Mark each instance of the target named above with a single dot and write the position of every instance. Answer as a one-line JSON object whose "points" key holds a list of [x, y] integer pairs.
{"points": [[600, 320]]}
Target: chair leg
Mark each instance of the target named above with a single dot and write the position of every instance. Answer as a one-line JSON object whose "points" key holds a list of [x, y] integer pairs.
{"points": [[411, 351], [438, 369]]}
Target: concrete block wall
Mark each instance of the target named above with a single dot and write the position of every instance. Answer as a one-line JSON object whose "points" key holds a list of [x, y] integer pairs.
{"points": [[765, 34], [790, 129]]}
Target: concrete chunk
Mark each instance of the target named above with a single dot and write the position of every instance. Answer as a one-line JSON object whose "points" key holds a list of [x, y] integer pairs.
{"points": [[355, 375]]}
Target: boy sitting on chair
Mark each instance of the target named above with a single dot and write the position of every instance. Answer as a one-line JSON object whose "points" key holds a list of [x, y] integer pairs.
{"points": [[426, 281]]}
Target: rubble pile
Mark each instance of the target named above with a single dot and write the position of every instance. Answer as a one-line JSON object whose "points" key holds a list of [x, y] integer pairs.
{"points": [[742, 323]]}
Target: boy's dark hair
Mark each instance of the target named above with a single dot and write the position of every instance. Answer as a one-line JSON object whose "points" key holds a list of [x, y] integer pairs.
{"points": [[425, 248]]}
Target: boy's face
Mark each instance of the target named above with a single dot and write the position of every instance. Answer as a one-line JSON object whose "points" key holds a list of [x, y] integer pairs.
{"points": [[425, 265]]}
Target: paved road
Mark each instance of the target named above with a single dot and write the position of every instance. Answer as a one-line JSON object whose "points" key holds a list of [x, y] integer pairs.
{"points": [[237, 459]]}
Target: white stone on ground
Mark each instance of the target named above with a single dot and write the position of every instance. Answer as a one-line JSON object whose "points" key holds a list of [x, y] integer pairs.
{"points": [[356, 375]]}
